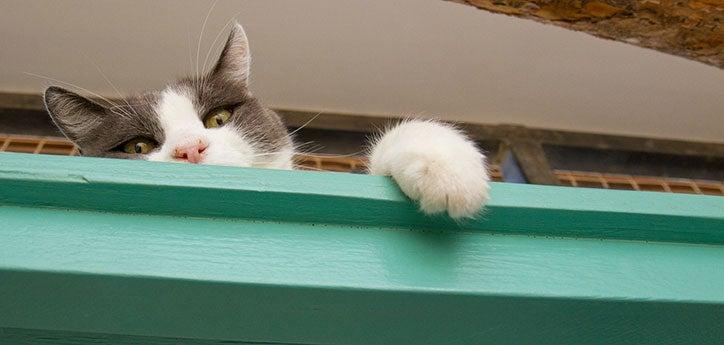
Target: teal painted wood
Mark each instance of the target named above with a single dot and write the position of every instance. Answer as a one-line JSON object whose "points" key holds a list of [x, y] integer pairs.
{"points": [[208, 191], [95, 250]]}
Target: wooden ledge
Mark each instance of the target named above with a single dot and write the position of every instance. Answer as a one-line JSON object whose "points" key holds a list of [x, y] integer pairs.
{"points": [[348, 199], [98, 250]]}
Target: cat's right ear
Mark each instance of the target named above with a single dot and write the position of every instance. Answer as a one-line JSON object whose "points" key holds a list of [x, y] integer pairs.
{"points": [[235, 60], [75, 115]]}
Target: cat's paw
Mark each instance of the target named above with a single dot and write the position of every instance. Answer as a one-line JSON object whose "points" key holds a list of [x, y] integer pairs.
{"points": [[434, 164]]}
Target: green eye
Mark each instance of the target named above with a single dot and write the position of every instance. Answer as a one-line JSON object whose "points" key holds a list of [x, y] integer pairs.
{"points": [[217, 118], [139, 146]]}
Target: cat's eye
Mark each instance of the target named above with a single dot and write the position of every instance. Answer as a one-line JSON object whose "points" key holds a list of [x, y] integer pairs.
{"points": [[139, 146], [217, 118]]}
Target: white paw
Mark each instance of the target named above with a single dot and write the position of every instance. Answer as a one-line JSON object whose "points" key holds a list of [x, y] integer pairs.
{"points": [[435, 165]]}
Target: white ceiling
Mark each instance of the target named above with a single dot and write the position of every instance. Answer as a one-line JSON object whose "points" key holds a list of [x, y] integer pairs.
{"points": [[401, 57]]}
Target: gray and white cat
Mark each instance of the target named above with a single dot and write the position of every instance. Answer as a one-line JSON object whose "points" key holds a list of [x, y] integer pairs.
{"points": [[214, 119]]}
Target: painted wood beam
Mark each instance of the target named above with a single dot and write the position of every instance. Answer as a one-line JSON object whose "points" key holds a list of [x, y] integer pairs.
{"points": [[100, 250], [692, 29]]}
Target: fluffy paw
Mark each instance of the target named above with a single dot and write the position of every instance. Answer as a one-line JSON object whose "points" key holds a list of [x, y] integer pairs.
{"points": [[434, 164]]}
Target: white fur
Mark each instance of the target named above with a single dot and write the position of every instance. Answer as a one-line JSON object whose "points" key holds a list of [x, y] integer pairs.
{"points": [[435, 164], [182, 125]]}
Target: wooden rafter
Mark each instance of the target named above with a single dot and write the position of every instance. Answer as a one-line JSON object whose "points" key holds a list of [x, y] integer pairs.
{"points": [[688, 28]]}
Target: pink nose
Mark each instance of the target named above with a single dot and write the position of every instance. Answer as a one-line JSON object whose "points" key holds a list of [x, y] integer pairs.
{"points": [[192, 153]]}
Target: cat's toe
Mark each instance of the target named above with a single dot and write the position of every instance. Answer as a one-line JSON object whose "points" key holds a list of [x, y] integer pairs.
{"points": [[440, 186], [469, 202], [461, 194]]}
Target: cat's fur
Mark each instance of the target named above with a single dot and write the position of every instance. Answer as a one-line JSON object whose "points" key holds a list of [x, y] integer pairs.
{"points": [[432, 162]]}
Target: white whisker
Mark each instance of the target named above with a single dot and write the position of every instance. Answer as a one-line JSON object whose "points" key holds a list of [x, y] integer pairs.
{"points": [[110, 103], [266, 154], [329, 155], [120, 96], [131, 104], [299, 146], [216, 39], [307, 167], [191, 57], [201, 36], [305, 124]]}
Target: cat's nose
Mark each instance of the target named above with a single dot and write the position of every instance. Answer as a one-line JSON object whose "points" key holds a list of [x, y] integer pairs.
{"points": [[192, 153]]}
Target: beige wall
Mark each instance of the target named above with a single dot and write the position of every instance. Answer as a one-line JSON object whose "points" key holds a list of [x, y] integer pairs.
{"points": [[397, 57]]}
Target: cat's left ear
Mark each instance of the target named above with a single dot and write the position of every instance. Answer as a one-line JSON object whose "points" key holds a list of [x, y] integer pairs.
{"points": [[76, 116], [235, 60]]}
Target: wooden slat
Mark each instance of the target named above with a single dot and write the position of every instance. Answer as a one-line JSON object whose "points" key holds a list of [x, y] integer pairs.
{"points": [[645, 183]]}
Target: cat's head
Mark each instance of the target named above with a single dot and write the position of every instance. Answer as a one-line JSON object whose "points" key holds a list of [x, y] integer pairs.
{"points": [[211, 119]]}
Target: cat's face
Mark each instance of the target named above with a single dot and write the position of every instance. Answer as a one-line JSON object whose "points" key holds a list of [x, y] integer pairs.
{"points": [[212, 119]]}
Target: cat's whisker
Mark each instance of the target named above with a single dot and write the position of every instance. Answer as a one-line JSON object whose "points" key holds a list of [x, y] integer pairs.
{"points": [[144, 96], [110, 103], [305, 124], [201, 36], [272, 153], [120, 96], [359, 153], [300, 145], [307, 167], [310, 147], [193, 76], [131, 104], [216, 39], [310, 152], [266, 154], [295, 153]]}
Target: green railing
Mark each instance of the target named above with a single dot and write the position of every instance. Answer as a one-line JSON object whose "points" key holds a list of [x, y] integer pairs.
{"points": [[112, 251]]}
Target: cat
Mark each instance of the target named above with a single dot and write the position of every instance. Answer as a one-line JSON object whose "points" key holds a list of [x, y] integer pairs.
{"points": [[214, 119]]}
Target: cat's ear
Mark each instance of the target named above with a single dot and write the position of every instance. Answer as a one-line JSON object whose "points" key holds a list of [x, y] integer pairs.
{"points": [[75, 115], [235, 60]]}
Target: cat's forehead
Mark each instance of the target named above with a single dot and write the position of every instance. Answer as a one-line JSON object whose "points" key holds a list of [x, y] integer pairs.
{"points": [[182, 104], [208, 92], [202, 94], [183, 100]]}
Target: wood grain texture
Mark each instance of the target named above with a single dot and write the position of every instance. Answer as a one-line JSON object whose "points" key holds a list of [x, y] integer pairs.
{"points": [[98, 250], [689, 28]]}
